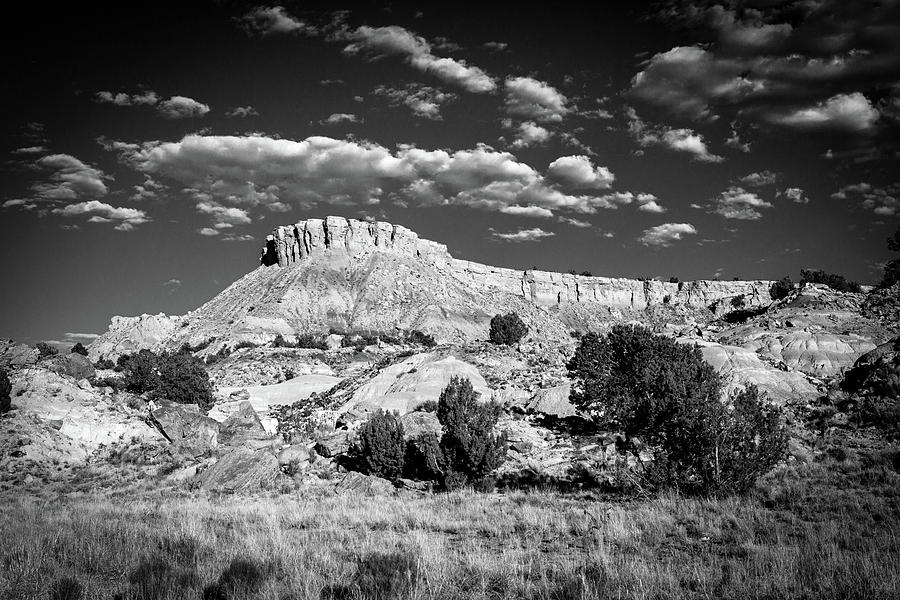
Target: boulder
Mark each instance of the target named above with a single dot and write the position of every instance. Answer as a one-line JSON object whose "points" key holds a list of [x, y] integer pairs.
{"points": [[18, 355], [240, 470], [186, 427], [242, 427], [876, 372], [334, 444], [73, 364], [553, 402], [366, 485], [416, 424], [333, 341]]}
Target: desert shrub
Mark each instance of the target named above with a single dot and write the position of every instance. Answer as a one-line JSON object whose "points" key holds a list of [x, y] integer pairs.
{"points": [[5, 389], [781, 288], [471, 451], [223, 353], [507, 329], [104, 363], [586, 274], [244, 344], [427, 406], [381, 445], [141, 371], [423, 457], [289, 374], [417, 337], [836, 282], [739, 301], [113, 382], [674, 280], [892, 267], [180, 377], [44, 350], [189, 349], [308, 340], [741, 315], [79, 348], [664, 393], [280, 342]]}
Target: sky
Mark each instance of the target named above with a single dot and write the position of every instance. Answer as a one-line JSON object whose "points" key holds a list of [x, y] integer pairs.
{"points": [[149, 149]]}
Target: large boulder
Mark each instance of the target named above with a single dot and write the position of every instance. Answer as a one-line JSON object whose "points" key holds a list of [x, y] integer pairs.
{"points": [[242, 428], [240, 470], [354, 483], [73, 364], [553, 402], [334, 444], [876, 372], [184, 426], [17, 355]]}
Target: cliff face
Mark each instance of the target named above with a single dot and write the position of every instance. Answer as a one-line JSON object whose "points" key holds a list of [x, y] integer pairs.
{"points": [[353, 239]]}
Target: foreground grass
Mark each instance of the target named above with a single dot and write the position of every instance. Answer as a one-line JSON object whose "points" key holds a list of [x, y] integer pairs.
{"points": [[826, 530]]}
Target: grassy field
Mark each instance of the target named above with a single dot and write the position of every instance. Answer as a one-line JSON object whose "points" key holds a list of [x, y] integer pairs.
{"points": [[817, 531]]}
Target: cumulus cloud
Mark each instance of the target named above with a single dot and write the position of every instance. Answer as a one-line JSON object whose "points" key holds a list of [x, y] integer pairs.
{"points": [[124, 218], [242, 112], [678, 140], [533, 99], [393, 40], [738, 203], [424, 101], [181, 107], [759, 178], [69, 179], [883, 201], [530, 134], [649, 203], [794, 194], [81, 336], [223, 217], [336, 118], [575, 222], [30, 150], [527, 211], [665, 234], [148, 98], [849, 112], [273, 20], [578, 171], [523, 235]]}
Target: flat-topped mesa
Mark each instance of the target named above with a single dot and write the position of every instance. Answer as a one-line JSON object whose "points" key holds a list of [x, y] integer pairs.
{"points": [[289, 244]]}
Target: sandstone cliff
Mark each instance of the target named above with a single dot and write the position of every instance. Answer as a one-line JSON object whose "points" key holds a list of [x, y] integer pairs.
{"points": [[357, 275]]}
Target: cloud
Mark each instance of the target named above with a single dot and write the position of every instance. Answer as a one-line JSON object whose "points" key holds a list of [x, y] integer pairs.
{"points": [[273, 20], [665, 234], [649, 203], [883, 201], [148, 98], [575, 222], [523, 235], [530, 134], [678, 140], [794, 194], [496, 46], [527, 211], [70, 179], [81, 336], [336, 118], [124, 218], [394, 40], [175, 283], [848, 112], [759, 179], [579, 172], [533, 99], [30, 150], [424, 101], [242, 112], [738, 203], [181, 107]]}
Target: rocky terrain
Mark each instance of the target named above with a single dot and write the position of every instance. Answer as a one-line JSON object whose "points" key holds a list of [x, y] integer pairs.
{"points": [[286, 417]]}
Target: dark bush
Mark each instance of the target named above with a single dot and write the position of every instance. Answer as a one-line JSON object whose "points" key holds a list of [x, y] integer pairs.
{"points": [[507, 329], [427, 406], [79, 348], [241, 579], [471, 451], [5, 389], [141, 371], [835, 282], [674, 280], [664, 393], [739, 301], [104, 363], [381, 445], [280, 342], [741, 315], [180, 377], [245, 344], [188, 349], [423, 339], [308, 340], [423, 458], [892, 267], [44, 350], [586, 274], [781, 288], [66, 588]]}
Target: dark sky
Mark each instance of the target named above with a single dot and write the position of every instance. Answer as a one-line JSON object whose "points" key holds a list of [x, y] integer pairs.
{"points": [[149, 148]]}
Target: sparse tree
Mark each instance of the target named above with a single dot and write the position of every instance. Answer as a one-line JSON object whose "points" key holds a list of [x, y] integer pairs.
{"points": [[44, 350], [781, 288], [381, 445], [507, 329], [5, 389], [79, 348], [892, 267]]}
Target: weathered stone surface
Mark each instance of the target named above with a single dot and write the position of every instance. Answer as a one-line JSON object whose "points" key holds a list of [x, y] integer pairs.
{"points": [[819, 354], [333, 444], [876, 372], [354, 483], [240, 470], [17, 355], [71, 364], [296, 454], [130, 334], [185, 427], [553, 402], [420, 423], [242, 427]]}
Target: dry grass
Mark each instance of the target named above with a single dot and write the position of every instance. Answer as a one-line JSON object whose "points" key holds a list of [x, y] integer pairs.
{"points": [[827, 530]]}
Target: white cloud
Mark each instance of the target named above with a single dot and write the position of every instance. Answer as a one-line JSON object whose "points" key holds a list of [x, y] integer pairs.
{"points": [[533, 99], [848, 112], [148, 98], [794, 194], [759, 179], [242, 112], [524, 235], [530, 134], [883, 201], [575, 222], [172, 283], [398, 41], [665, 234], [678, 140], [273, 20], [181, 107], [70, 179], [648, 203], [578, 171], [208, 231], [527, 211], [30, 150], [335, 118], [81, 336], [738, 203], [223, 217], [124, 218], [424, 101]]}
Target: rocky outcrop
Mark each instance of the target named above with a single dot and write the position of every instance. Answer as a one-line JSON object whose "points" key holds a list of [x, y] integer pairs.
{"points": [[186, 428], [241, 470], [130, 334], [553, 402], [74, 365]]}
